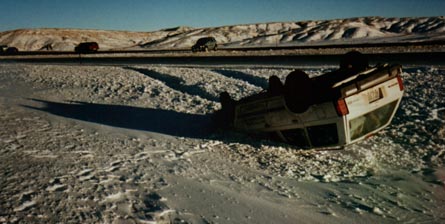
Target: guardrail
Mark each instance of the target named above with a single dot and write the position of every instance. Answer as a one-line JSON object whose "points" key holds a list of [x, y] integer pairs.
{"points": [[416, 58]]}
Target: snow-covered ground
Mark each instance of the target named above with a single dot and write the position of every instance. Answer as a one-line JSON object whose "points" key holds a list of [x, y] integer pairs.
{"points": [[104, 144]]}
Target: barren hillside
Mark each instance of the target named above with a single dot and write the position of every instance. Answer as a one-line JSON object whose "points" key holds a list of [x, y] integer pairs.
{"points": [[354, 30]]}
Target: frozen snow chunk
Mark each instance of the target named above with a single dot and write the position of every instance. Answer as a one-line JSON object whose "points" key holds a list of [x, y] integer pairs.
{"points": [[85, 172], [115, 197], [24, 206], [377, 210], [56, 187]]}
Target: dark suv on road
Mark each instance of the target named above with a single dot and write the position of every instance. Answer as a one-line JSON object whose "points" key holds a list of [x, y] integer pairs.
{"points": [[205, 44], [86, 47]]}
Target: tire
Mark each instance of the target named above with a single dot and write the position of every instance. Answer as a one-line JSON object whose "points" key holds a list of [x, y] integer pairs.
{"points": [[298, 91], [354, 60], [227, 113]]}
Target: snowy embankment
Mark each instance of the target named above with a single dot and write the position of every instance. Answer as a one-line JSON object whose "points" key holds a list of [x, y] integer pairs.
{"points": [[90, 144]]}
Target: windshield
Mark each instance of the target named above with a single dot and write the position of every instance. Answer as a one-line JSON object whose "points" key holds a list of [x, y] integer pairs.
{"points": [[319, 135]]}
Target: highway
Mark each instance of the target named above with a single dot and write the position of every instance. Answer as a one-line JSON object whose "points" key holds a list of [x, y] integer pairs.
{"points": [[310, 55]]}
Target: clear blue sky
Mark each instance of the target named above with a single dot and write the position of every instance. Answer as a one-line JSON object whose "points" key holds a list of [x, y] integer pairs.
{"points": [[150, 15]]}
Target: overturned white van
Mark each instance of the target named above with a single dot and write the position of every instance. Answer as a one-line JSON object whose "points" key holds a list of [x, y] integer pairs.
{"points": [[332, 110]]}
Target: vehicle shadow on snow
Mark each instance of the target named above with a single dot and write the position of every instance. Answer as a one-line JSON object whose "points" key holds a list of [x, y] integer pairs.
{"points": [[145, 119], [175, 83]]}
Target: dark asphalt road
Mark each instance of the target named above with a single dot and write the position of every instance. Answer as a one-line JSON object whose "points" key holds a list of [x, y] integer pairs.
{"points": [[406, 59]]}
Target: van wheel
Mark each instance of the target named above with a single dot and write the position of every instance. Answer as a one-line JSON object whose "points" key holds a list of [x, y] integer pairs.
{"points": [[354, 60], [298, 91], [227, 113]]}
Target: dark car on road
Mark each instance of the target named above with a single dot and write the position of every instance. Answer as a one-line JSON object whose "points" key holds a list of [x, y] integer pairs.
{"points": [[205, 44], [4, 49], [87, 47]]}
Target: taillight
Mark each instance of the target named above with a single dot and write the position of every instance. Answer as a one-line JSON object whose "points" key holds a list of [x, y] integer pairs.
{"points": [[341, 107], [399, 80]]}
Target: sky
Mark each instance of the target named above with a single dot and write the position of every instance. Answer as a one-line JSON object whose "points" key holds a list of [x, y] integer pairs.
{"points": [[151, 15]]}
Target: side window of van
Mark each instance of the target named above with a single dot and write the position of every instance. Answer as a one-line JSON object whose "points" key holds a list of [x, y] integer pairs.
{"points": [[296, 137], [323, 135]]}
